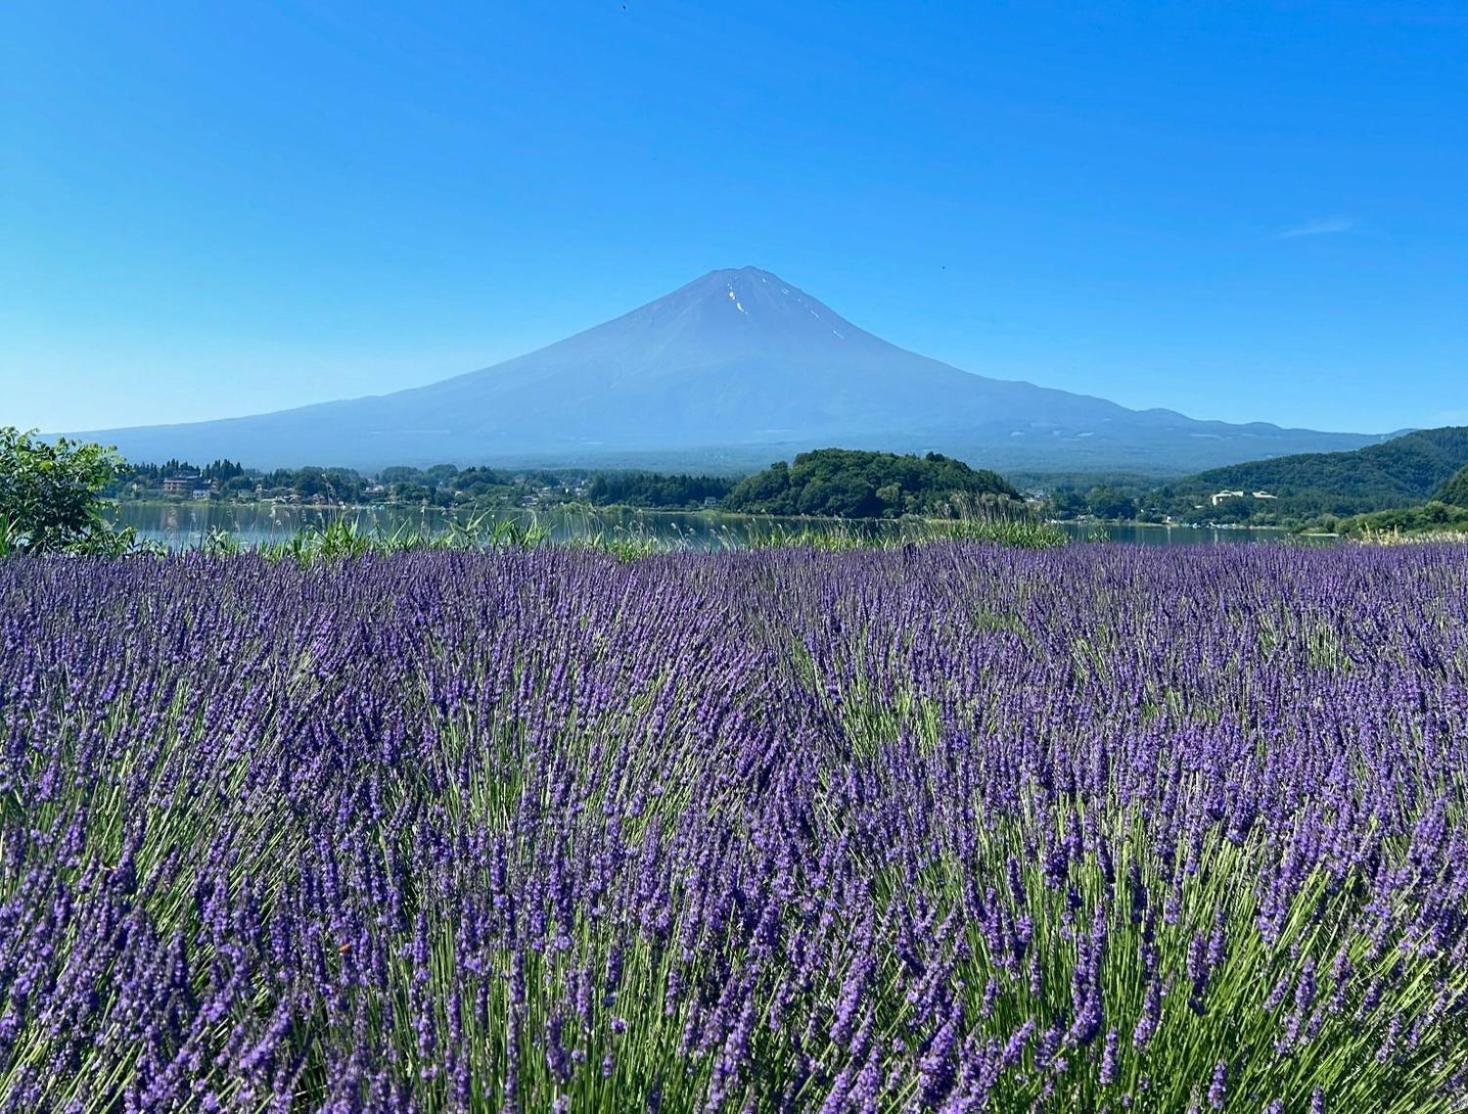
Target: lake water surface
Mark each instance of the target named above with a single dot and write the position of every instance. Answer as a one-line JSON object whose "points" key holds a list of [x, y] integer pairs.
{"points": [[179, 525]]}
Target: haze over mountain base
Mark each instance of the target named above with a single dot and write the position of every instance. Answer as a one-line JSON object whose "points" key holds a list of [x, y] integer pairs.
{"points": [[726, 373]]}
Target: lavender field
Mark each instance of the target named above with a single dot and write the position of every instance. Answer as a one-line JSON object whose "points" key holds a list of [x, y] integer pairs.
{"points": [[951, 828]]}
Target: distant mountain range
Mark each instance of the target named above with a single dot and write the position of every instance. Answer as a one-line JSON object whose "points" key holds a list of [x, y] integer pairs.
{"points": [[735, 369]]}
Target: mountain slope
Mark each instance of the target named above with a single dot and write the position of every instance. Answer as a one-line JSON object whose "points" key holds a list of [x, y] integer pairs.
{"points": [[738, 363], [1455, 490], [1406, 469]]}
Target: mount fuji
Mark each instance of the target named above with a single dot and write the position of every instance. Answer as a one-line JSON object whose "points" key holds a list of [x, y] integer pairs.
{"points": [[732, 370]]}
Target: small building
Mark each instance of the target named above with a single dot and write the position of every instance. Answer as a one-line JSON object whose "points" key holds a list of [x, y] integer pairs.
{"points": [[1220, 496], [179, 485], [1264, 495]]}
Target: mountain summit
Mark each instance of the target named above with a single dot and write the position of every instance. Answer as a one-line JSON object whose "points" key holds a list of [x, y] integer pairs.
{"points": [[737, 367]]}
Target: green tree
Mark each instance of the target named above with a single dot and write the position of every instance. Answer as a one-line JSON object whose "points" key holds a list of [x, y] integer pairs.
{"points": [[1107, 502], [51, 495], [1068, 503]]}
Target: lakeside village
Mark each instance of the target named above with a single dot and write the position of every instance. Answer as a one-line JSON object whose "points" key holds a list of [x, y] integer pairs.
{"points": [[442, 486]]}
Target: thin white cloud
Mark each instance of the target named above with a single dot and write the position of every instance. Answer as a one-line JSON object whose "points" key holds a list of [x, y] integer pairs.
{"points": [[1325, 226]]}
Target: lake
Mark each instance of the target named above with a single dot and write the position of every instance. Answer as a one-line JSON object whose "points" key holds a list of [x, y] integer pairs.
{"points": [[179, 525]]}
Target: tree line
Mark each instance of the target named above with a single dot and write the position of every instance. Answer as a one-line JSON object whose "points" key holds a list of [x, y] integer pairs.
{"points": [[442, 485]]}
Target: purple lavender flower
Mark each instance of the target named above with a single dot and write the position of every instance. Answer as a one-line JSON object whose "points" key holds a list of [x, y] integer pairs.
{"points": [[1218, 1087], [769, 830], [1107, 1074]]}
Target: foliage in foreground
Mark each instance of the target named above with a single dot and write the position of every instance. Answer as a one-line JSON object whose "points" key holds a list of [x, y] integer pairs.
{"points": [[828, 536], [947, 827], [51, 496], [341, 538]]}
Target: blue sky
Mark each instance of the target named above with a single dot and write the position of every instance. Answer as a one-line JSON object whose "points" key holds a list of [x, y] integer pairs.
{"points": [[1240, 210]]}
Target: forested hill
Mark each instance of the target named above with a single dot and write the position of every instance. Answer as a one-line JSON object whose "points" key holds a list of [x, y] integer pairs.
{"points": [[1446, 512], [1455, 491], [856, 484], [1404, 470]]}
